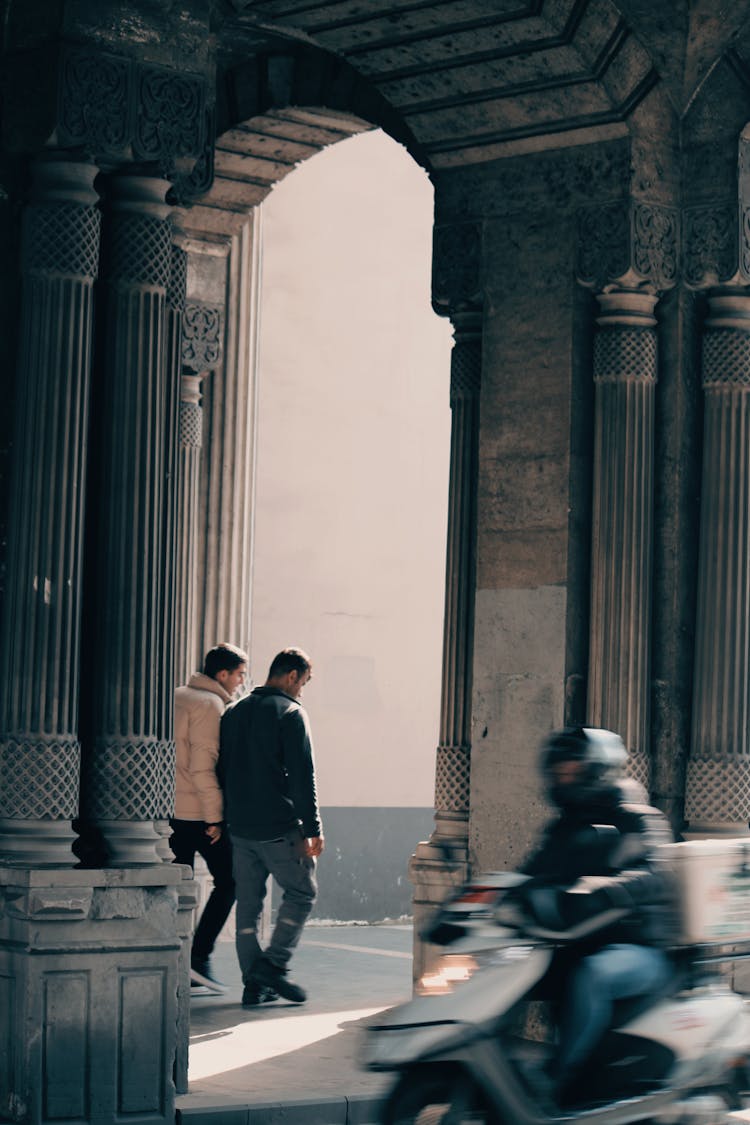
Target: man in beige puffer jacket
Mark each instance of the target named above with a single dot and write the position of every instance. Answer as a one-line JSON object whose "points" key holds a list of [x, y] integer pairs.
{"points": [[198, 823]]}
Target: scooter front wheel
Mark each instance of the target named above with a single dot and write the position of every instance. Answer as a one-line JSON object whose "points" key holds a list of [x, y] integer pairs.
{"points": [[432, 1096]]}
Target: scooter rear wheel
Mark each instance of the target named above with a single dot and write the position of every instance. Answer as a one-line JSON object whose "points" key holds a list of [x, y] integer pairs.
{"points": [[437, 1097]]}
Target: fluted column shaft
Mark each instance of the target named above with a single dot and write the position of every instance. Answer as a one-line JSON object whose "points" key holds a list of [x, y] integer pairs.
{"points": [[227, 484], [40, 643], [129, 776], [625, 371], [717, 795], [453, 767], [188, 480]]}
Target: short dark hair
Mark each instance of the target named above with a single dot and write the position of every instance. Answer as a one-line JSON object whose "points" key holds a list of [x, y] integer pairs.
{"points": [[289, 660], [223, 658]]}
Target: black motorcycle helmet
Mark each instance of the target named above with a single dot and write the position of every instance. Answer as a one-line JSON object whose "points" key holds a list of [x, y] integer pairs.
{"points": [[603, 757]]}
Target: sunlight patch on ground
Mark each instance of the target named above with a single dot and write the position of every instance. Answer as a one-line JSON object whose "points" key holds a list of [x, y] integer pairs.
{"points": [[254, 1041]]}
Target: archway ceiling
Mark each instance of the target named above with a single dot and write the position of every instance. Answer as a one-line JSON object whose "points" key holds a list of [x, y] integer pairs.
{"points": [[472, 80]]}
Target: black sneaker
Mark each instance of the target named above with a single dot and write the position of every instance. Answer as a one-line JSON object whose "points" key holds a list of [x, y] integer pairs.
{"points": [[254, 994], [270, 975], [200, 973]]}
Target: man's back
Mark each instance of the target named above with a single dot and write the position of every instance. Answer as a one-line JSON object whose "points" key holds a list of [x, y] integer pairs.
{"points": [[267, 768]]}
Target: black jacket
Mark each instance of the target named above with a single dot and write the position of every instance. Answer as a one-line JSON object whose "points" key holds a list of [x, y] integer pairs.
{"points": [[266, 767], [605, 856]]}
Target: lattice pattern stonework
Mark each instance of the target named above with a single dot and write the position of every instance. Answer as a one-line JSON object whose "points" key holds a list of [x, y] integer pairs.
{"points": [[726, 358], [191, 424], [466, 369], [452, 779], [140, 251], [624, 355], [639, 768], [718, 790], [62, 240], [131, 780], [177, 280], [39, 779]]}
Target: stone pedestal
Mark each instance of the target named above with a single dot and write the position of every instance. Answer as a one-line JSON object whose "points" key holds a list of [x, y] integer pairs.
{"points": [[90, 984], [625, 358], [442, 863], [717, 797], [41, 627]]}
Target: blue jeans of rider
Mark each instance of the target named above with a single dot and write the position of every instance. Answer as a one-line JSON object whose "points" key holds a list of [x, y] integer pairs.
{"points": [[254, 861], [612, 973]]}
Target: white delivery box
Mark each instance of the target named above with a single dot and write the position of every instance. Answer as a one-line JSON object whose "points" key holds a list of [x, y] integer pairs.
{"points": [[714, 881]]}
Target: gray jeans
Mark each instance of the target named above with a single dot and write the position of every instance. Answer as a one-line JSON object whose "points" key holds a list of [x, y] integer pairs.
{"points": [[253, 861]]}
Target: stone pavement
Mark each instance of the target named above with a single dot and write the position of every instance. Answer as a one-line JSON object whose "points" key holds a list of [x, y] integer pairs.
{"points": [[286, 1064]]}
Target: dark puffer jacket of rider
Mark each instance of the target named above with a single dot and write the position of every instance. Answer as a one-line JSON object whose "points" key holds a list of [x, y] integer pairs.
{"points": [[600, 855]]}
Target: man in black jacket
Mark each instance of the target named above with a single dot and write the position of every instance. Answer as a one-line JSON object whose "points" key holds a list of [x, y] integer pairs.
{"points": [[267, 771], [598, 856]]}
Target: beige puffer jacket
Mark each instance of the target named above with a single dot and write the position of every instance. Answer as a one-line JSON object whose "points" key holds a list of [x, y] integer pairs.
{"points": [[198, 708]]}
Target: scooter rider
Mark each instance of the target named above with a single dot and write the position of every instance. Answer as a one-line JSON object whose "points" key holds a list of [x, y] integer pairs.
{"points": [[598, 854]]}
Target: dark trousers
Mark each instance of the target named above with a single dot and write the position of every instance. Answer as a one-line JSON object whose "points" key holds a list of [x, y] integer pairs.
{"points": [[189, 837]]}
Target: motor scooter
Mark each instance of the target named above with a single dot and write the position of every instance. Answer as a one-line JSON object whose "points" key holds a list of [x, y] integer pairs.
{"points": [[465, 1047]]}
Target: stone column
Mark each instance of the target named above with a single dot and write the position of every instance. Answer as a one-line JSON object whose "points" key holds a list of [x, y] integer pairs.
{"points": [[442, 862], [40, 643], [129, 768], [227, 485], [201, 351], [625, 363], [174, 314], [717, 797]]}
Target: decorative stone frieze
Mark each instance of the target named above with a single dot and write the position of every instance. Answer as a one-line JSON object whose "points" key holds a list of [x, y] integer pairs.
{"points": [[201, 336], [129, 765], [628, 244], [118, 109], [717, 796], [41, 626], [625, 369]]}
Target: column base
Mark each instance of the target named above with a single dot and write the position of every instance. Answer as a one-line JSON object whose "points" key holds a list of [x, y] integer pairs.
{"points": [[131, 843], [90, 965], [38, 843], [438, 867]]}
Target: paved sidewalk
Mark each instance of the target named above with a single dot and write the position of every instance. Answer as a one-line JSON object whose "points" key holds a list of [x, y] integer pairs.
{"points": [[297, 1064]]}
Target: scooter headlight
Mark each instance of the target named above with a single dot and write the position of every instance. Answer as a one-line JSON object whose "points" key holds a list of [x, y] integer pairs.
{"points": [[452, 969], [444, 974]]}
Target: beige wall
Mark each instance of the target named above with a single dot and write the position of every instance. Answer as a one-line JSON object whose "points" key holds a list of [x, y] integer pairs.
{"points": [[354, 431]]}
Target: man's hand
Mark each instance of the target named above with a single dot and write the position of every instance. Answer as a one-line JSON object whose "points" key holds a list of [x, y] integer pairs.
{"points": [[213, 831], [314, 845]]}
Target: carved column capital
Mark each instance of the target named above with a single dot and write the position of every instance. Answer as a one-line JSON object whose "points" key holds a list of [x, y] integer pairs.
{"points": [[113, 107], [456, 267], [633, 245]]}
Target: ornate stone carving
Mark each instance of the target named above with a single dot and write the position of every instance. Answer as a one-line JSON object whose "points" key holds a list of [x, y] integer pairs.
{"points": [[62, 240], [726, 359], [139, 251], [709, 244], [625, 355], [452, 779], [189, 186], [456, 266], [39, 778], [177, 279], [201, 336], [191, 424], [466, 369], [95, 101], [130, 780], [627, 243], [170, 118], [717, 791]]}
